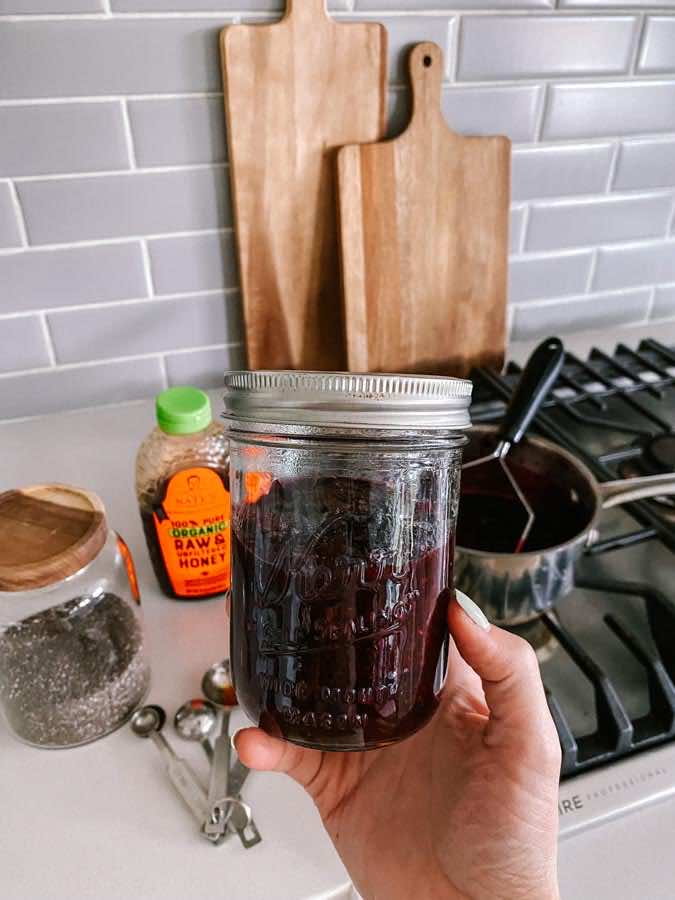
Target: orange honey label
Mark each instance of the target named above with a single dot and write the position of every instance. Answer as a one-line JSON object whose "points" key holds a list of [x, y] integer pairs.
{"points": [[256, 485], [130, 567], [193, 529]]}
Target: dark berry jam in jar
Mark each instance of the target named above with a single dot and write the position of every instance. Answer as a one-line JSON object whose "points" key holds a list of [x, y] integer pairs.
{"points": [[344, 502]]}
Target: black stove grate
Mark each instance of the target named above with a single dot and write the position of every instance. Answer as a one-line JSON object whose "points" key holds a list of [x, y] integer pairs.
{"points": [[616, 396], [617, 734]]}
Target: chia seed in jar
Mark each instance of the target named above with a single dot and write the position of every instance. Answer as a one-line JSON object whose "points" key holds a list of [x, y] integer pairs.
{"points": [[72, 655]]}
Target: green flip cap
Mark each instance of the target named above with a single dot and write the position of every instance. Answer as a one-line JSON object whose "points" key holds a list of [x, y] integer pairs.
{"points": [[183, 410]]}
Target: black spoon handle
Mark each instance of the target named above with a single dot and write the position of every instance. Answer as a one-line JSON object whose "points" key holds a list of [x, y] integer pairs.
{"points": [[539, 374]]}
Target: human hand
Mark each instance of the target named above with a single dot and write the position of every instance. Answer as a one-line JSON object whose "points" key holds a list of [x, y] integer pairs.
{"points": [[465, 808]]}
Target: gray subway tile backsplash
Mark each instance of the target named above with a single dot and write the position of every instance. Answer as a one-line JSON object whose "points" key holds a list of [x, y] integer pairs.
{"points": [[516, 226], [200, 262], [620, 267], [404, 31], [511, 111], [111, 206], [590, 6], [658, 45], [10, 235], [154, 326], [23, 344], [93, 57], [551, 171], [576, 223], [609, 109], [112, 134], [496, 47], [69, 276], [208, 5], [54, 390], [49, 138], [170, 132], [28, 7], [539, 278], [204, 368], [574, 314], [645, 163], [664, 302], [493, 110], [373, 5]]}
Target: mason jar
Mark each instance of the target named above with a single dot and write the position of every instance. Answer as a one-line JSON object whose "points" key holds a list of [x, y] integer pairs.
{"points": [[344, 501], [73, 663]]}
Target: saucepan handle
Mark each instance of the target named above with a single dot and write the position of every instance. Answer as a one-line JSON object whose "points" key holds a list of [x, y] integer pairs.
{"points": [[626, 490]]}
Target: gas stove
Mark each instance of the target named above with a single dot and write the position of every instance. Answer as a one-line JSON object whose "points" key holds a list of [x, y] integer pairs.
{"points": [[607, 653]]}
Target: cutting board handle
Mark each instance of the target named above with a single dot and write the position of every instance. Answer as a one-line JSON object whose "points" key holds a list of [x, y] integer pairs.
{"points": [[425, 65], [307, 9]]}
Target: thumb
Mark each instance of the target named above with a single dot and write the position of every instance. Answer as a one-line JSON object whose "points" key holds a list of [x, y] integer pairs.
{"points": [[509, 671], [258, 750]]}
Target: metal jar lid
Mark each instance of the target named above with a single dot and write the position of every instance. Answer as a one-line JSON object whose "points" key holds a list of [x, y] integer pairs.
{"points": [[288, 402]]}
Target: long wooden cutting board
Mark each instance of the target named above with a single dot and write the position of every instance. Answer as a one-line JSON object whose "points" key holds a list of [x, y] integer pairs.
{"points": [[295, 91], [424, 239]]}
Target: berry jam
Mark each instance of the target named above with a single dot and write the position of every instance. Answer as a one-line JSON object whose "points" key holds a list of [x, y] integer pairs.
{"points": [[337, 616]]}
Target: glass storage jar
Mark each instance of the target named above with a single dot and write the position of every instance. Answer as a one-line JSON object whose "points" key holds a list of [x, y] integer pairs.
{"points": [[344, 502], [72, 656]]}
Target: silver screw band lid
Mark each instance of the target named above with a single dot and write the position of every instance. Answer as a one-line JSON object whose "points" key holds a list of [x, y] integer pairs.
{"points": [[343, 401]]}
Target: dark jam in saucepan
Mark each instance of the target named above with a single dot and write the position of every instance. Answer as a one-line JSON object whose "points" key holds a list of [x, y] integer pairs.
{"points": [[491, 518], [337, 618]]}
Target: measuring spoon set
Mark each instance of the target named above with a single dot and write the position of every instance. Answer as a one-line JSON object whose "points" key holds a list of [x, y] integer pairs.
{"points": [[220, 810]]}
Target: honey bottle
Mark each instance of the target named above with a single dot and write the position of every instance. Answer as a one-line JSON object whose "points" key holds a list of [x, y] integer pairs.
{"points": [[182, 487]]}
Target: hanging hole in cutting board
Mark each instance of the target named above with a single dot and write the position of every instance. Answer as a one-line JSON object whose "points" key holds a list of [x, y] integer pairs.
{"points": [[427, 61]]}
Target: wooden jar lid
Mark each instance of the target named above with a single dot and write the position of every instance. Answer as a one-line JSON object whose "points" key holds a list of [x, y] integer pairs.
{"points": [[48, 532]]}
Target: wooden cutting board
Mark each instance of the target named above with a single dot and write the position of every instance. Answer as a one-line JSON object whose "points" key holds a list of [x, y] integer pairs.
{"points": [[295, 91], [424, 240]]}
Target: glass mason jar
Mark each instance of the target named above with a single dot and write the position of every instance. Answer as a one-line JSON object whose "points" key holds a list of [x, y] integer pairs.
{"points": [[344, 502], [73, 665]]}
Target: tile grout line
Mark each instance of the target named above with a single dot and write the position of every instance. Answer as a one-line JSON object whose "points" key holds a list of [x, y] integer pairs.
{"points": [[547, 11], [112, 241], [671, 221], [591, 272], [613, 165], [119, 302], [128, 136], [163, 370], [541, 120], [18, 212], [454, 50], [108, 173], [46, 333], [105, 98], [147, 268], [91, 363], [622, 79], [640, 32], [524, 230], [650, 307]]}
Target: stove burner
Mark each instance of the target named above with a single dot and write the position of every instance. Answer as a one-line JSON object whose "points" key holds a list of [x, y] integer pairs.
{"points": [[538, 636], [659, 453]]}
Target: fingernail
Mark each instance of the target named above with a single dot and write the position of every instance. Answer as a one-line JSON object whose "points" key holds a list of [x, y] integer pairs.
{"points": [[473, 611], [233, 738]]}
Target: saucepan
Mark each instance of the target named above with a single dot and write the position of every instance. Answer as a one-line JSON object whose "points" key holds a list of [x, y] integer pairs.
{"points": [[567, 501]]}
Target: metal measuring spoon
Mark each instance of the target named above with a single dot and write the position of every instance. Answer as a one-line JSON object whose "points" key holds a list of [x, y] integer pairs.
{"points": [[218, 688], [196, 720], [147, 722], [227, 809]]}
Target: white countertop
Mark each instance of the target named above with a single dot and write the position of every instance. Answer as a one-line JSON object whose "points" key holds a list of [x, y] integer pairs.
{"points": [[101, 821]]}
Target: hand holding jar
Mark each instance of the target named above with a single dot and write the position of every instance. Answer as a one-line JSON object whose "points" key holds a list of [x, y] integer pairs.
{"points": [[466, 807]]}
